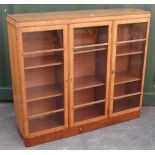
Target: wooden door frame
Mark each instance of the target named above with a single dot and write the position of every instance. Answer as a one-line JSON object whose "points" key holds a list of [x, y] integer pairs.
{"points": [[20, 32], [113, 61], [71, 69]]}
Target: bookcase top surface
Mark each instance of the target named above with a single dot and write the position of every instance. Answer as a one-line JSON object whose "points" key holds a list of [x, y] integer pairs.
{"points": [[80, 14]]}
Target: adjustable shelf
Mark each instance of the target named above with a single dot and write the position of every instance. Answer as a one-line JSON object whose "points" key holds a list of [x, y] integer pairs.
{"points": [[119, 54], [127, 95], [127, 90], [40, 115], [43, 92], [88, 104], [42, 52], [126, 104], [131, 41], [49, 122], [130, 48], [89, 112], [90, 46], [87, 82], [90, 50], [125, 77], [39, 62]]}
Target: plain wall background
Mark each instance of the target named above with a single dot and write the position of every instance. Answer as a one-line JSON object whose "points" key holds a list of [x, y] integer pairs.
{"points": [[5, 77]]}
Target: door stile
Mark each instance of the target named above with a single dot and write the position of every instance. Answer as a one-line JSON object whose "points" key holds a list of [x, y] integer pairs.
{"points": [[22, 80], [144, 65], [71, 78], [112, 71], [66, 64]]}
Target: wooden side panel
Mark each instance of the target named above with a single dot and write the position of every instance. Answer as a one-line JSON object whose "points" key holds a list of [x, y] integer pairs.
{"points": [[15, 77]]}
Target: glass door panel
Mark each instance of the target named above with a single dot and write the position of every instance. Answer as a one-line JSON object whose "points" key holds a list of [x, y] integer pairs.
{"points": [[90, 69], [131, 31], [44, 79], [130, 49], [127, 103], [42, 41]]}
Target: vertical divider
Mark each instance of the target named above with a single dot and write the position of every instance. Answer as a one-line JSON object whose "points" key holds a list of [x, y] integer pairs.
{"points": [[112, 70], [108, 72], [71, 70], [65, 75], [68, 66]]}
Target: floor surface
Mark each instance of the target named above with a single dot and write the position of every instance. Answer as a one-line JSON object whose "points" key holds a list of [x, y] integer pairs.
{"points": [[134, 134]]}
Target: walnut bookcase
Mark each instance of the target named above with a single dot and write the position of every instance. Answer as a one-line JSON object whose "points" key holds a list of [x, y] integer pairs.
{"points": [[76, 71]]}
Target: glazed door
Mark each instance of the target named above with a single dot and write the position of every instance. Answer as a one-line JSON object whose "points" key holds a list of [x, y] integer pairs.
{"points": [[89, 71], [128, 65], [45, 69]]}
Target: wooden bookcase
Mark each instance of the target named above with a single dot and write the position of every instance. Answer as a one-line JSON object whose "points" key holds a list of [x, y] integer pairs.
{"points": [[76, 71]]}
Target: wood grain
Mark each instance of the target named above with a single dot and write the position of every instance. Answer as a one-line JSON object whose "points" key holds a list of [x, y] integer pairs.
{"points": [[76, 71], [35, 140], [66, 17]]}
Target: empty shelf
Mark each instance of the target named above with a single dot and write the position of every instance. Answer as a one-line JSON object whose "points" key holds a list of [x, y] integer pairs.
{"points": [[88, 104], [44, 123], [124, 106], [126, 103], [127, 95], [31, 63], [87, 82], [125, 77], [92, 45], [91, 50], [34, 116], [43, 51], [42, 92], [89, 113], [130, 41], [129, 53]]}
